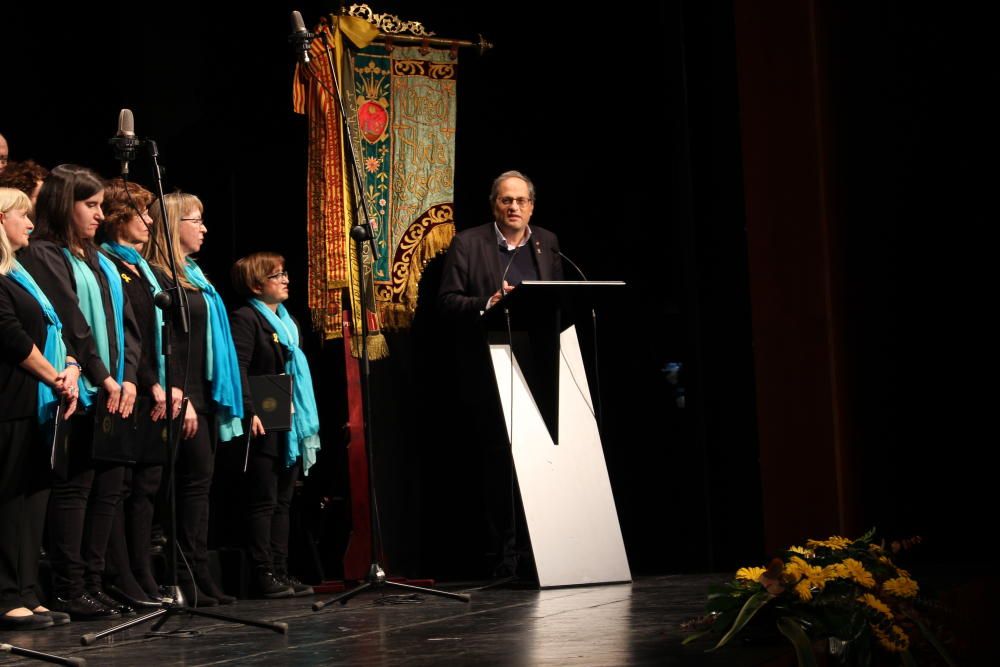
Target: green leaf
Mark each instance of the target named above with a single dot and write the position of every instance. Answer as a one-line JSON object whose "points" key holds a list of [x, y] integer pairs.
{"points": [[800, 641], [697, 635], [752, 606], [931, 639]]}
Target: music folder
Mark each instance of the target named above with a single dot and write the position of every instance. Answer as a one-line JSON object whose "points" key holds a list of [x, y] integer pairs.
{"points": [[113, 439], [150, 437], [59, 458], [272, 401]]}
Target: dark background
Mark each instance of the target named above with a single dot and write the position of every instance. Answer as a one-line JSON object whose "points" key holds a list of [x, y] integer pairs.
{"points": [[629, 125]]}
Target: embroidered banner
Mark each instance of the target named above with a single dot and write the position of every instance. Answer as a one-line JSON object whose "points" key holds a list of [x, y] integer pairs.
{"points": [[402, 106]]}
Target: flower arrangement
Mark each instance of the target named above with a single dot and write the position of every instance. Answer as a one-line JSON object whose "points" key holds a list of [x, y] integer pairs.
{"points": [[847, 591]]}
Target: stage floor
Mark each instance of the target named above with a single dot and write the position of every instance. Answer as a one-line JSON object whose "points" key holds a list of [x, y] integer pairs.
{"points": [[629, 624]]}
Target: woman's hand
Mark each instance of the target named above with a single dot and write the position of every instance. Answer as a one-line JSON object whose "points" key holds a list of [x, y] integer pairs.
{"points": [[256, 427], [159, 410], [176, 399], [114, 393], [127, 399], [190, 423]]}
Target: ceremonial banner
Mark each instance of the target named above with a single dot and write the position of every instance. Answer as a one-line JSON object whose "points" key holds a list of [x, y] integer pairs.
{"points": [[401, 103]]}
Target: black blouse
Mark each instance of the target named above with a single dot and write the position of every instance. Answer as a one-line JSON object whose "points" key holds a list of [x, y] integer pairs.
{"points": [[22, 325], [140, 296], [187, 358]]}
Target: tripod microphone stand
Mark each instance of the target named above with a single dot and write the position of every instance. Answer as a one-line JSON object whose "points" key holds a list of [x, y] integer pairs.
{"points": [[173, 603], [362, 234]]}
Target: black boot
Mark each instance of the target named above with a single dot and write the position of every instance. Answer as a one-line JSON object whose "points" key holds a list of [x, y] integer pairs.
{"points": [[298, 587], [270, 586], [207, 584]]}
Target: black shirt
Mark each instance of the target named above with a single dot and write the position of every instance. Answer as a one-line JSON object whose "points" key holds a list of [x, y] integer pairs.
{"points": [[140, 296], [187, 359]]}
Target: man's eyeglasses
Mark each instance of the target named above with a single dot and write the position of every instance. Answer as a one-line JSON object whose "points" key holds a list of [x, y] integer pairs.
{"points": [[280, 275], [521, 201]]}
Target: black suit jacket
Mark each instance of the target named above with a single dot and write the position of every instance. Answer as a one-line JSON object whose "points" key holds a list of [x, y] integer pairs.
{"points": [[473, 268], [259, 353]]}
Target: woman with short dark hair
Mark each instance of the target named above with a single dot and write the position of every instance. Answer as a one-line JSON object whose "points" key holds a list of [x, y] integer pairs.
{"points": [[267, 343]]}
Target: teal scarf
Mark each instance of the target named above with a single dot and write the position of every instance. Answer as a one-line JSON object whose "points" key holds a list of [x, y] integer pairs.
{"points": [[88, 293], [131, 255], [55, 348], [303, 439], [221, 366]]}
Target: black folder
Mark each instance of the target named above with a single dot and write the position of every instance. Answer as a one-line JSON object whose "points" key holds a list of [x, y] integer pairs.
{"points": [[149, 437], [59, 458], [272, 401], [113, 439]]}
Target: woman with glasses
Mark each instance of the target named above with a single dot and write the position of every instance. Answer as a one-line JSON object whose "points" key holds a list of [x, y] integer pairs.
{"points": [[86, 292], [35, 373], [267, 343], [125, 232], [204, 371]]}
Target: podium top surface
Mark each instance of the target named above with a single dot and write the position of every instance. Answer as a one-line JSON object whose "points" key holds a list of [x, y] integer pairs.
{"points": [[532, 298]]}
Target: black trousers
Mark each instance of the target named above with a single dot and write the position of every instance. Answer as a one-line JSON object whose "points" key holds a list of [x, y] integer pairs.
{"points": [[24, 494], [131, 533], [82, 509], [194, 469], [269, 487]]}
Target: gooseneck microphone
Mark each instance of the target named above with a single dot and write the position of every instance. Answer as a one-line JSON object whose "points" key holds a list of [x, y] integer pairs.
{"points": [[507, 268], [125, 143], [571, 262], [301, 39]]}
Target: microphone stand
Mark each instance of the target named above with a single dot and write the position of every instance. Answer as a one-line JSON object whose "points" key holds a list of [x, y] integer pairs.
{"points": [[173, 602], [362, 233]]}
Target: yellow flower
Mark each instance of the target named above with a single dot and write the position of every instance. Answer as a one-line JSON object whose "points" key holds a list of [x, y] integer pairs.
{"points": [[808, 553], [876, 604], [896, 640], [751, 574], [853, 569], [834, 542], [901, 587], [803, 590]]}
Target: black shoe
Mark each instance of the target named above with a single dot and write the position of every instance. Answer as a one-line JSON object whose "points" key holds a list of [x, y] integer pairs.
{"points": [[272, 587], [83, 608], [58, 617], [29, 622], [148, 585], [195, 596], [111, 603], [207, 584], [298, 587]]}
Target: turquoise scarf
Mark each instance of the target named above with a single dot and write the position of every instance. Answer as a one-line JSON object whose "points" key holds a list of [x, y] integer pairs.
{"points": [[88, 293], [303, 439], [55, 348], [221, 366], [131, 255]]}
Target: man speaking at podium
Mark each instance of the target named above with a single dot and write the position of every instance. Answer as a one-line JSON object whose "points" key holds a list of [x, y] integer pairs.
{"points": [[482, 264], [501, 254]]}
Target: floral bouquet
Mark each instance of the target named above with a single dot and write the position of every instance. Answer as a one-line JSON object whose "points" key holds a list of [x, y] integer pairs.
{"points": [[846, 591]]}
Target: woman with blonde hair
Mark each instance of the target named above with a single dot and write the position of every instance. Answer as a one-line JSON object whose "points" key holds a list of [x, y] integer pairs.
{"points": [[203, 363], [36, 373]]}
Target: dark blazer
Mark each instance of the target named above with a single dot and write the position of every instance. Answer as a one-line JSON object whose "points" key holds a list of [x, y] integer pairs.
{"points": [[473, 268], [259, 353], [257, 349], [46, 263], [22, 326]]}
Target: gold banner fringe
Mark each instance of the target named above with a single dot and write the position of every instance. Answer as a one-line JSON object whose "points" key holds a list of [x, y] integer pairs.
{"points": [[378, 347]]}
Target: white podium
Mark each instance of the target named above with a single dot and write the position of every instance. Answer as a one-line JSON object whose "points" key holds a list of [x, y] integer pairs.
{"points": [[565, 491]]}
